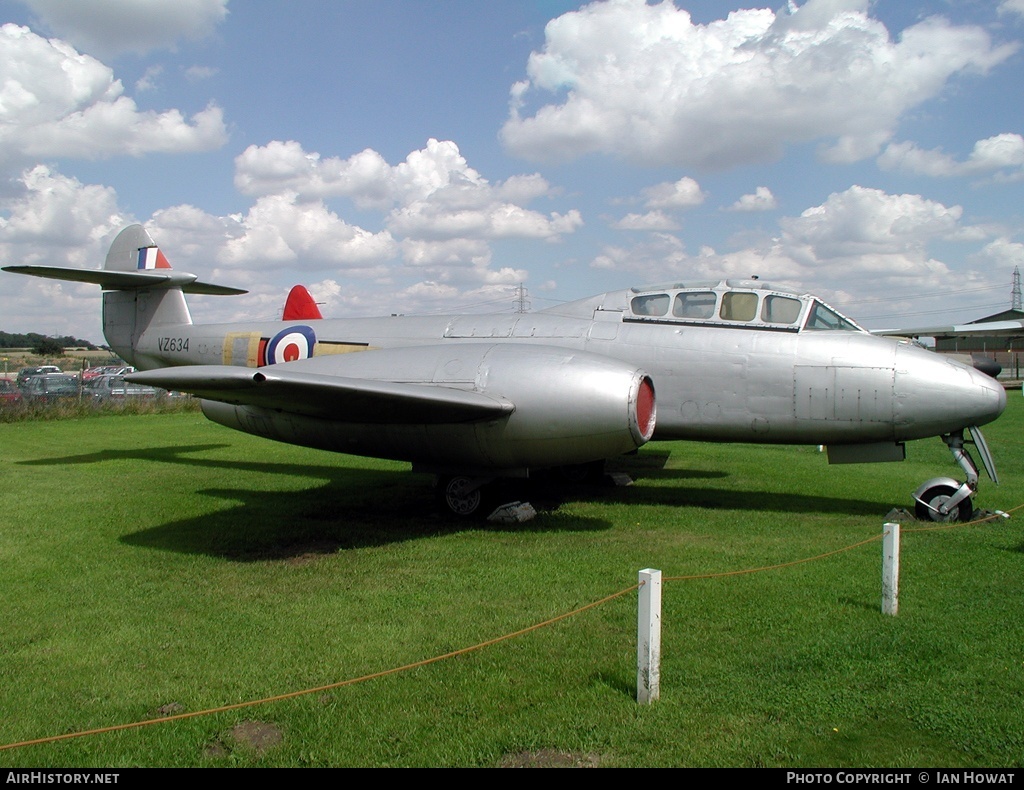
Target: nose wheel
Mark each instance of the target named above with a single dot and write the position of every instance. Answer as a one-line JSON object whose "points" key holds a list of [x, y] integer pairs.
{"points": [[944, 499], [934, 504]]}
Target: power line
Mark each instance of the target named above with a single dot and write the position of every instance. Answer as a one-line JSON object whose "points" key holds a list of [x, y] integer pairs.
{"points": [[945, 311], [934, 294]]}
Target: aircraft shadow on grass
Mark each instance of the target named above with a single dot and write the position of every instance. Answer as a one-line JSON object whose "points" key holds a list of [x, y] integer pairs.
{"points": [[358, 507], [184, 454], [746, 500], [362, 509]]}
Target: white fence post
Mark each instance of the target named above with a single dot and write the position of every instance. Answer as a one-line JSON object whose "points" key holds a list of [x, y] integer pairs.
{"points": [[890, 568], [648, 638]]}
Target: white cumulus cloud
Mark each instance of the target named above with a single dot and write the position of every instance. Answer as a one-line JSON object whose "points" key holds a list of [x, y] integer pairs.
{"points": [[434, 194], [1001, 155], [867, 229], [109, 27], [55, 220], [148, 81], [652, 220], [644, 83], [279, 229], [59, 214], [199, 73], [1002, 253], [761, 199], [1012, 7], [684, 193], [440, 215], [439, 255], [281, 166], [436, 171], [56, 102], [861, 239]]}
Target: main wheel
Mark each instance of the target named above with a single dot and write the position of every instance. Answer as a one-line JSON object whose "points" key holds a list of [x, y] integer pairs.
{"points": [[936, 496], [463, 496]]}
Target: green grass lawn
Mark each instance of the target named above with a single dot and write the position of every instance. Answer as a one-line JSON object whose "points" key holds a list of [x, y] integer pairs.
{"points": [[158, 564]]}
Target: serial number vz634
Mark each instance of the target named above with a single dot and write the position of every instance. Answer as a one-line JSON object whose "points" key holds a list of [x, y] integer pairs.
{"points": [[172, 343]]}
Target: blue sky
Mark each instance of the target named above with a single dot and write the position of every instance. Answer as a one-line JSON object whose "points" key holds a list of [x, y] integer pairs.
{"points": [[414, 157]]}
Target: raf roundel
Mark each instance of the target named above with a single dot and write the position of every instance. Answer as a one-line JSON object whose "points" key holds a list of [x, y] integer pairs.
{"points": [[288, 345]]}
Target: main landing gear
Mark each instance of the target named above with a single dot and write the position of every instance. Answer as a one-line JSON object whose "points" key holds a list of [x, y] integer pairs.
{"points": [[476, 497], [464, 496], [944, 499]]}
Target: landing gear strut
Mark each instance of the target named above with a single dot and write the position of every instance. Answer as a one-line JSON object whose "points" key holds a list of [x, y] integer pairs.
{"points": [[944, 499]]}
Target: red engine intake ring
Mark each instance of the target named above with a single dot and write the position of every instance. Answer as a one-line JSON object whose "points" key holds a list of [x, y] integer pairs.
{"points": [[644, 410]]}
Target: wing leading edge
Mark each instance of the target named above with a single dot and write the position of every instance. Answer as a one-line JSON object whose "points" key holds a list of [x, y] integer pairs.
{"points": [[329, 397]]}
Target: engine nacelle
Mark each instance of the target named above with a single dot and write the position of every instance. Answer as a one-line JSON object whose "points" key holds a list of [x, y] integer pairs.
{"points": [[569, 407]]}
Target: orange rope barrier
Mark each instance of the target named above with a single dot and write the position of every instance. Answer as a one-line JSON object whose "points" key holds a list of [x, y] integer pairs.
{"points": [[318, 689], [772, 567], [479, 646]]}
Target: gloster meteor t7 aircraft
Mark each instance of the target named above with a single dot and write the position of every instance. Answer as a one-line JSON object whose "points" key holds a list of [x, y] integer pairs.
{"points": [[474, 398]]}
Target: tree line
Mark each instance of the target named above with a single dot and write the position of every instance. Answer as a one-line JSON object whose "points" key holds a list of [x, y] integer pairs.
{"points": [[43, 344]]}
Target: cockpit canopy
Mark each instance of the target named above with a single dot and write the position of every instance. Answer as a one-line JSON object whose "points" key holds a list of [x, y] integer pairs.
{"points": [[735, 303]]}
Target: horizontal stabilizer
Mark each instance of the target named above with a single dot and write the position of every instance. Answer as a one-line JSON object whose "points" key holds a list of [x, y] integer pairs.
{"points": [[112, 280], [328, 397]]}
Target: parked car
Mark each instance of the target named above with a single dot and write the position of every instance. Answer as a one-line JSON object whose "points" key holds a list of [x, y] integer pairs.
{"points": [[9, 393], [26, 373], [110, 387], [106, 370], [51, 387]]}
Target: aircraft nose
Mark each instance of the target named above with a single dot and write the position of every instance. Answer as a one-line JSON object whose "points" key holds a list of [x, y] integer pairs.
{"points": [[936, 395], [984, 397]]}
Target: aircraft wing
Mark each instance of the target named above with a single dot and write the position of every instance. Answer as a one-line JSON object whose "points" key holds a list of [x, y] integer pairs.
{"points": [[329, 397], [991, 329]]}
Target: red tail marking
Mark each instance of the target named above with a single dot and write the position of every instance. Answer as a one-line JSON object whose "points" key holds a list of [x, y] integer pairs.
{"points": [[300, 306]]}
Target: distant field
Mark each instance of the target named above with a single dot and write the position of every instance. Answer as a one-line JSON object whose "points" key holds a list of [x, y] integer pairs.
{"points": [[73, 361], [158, 564]]}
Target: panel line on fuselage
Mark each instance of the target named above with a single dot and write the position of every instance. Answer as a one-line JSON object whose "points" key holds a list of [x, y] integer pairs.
{"points": [[712, 324]]}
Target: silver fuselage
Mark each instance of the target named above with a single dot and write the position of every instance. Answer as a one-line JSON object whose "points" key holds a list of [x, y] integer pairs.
{"points": [[801, 379]]}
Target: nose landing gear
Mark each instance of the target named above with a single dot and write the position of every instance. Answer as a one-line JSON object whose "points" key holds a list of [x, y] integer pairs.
{"points": [[943, 499]]}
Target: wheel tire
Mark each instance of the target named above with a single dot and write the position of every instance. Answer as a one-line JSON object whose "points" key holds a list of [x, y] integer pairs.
{"points": [[462, 496], [936, 496]]}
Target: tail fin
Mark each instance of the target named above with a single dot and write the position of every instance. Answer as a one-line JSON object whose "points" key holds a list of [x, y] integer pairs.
{"points": [[142, 290], [300, 306], [134, 250]]}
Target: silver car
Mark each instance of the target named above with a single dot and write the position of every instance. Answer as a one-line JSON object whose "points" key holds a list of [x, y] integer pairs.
{"points": [[112, 387]]}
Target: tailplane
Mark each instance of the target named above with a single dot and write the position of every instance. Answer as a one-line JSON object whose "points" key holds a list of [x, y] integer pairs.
{"points": [[142, 290], [133, 261]]}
